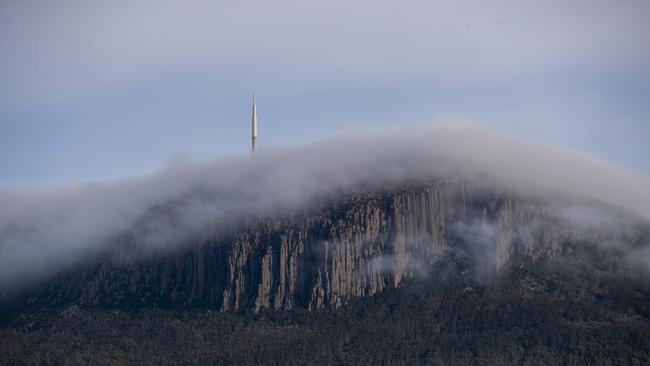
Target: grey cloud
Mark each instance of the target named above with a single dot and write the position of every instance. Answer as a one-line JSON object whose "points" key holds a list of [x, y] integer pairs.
{"points": [[41, 230], [72, 47]]}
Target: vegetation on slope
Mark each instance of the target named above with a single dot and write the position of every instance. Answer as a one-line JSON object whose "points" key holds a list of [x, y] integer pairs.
{"points": [[569, 311]]}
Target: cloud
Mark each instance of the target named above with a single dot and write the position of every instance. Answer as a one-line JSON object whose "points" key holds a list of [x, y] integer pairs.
{"points": [[72, 47], [42, 230]]}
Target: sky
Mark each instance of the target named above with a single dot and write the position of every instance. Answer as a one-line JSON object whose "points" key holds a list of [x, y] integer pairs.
{"points": [[105, 90]]}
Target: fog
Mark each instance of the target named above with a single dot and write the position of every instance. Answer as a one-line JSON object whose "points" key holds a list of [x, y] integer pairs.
{"points": [[43, 230]]}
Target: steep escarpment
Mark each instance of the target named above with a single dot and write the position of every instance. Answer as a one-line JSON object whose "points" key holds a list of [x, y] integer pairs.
{"points": [[346, 246]]}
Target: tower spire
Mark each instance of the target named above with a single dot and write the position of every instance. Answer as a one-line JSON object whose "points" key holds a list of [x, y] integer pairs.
{"points": [[254, 126]]}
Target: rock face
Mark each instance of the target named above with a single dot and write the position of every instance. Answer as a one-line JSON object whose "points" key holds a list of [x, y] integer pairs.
{"points": [[352, 245]]}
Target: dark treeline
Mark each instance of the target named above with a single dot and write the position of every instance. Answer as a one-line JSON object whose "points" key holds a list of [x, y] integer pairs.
{"points": [[565, 312]]}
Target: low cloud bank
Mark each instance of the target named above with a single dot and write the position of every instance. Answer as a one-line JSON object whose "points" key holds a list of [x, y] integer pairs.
{"points": [[42, 230]]}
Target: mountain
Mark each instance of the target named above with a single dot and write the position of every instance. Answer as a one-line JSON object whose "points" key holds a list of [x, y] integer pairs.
{"points": [[422, 272]]}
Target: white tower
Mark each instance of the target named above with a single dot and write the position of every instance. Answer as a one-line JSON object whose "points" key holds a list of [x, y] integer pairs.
{"points": [[254, 132]]}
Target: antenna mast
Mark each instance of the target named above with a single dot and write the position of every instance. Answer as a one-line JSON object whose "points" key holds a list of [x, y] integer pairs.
{"points": [[254, 126]]}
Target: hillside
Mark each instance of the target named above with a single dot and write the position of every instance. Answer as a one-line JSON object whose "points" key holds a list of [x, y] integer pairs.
{"points": [[435, 271]]}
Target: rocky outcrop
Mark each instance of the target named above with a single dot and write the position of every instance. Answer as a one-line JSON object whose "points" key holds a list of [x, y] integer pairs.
{"points": [[351, 245]]}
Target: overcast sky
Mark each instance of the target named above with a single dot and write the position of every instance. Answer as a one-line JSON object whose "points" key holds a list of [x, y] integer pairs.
{"points": [[97, 90]]}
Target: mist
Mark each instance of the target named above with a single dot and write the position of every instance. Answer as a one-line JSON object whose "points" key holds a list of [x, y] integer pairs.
{"points": [[43, 230]]}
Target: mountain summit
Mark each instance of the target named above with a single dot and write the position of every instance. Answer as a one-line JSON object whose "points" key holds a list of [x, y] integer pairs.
{"points": [[380, 248]]}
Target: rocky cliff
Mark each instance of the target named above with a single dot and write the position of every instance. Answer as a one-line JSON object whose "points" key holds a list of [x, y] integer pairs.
{"points": [[347, 246]]}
